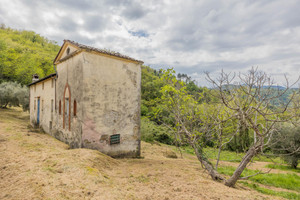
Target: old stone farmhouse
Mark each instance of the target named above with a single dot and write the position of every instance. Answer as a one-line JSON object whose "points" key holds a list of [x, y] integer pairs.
{"points": [[92, 101]]}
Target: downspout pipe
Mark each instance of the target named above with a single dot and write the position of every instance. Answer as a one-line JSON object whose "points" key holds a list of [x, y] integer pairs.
{"points": [[55, 70], [55, 85]]}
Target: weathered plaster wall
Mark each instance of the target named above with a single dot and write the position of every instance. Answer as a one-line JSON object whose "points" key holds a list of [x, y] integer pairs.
{"points": [[107, 91], [70, 72], [111, 102], [46, 95]]}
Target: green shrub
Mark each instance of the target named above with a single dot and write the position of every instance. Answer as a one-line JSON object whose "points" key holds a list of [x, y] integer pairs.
{"points": [[287, 143], [13, 94], [150, 132]]}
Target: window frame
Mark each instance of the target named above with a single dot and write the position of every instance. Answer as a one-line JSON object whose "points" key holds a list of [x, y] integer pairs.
{"points": [[59, 107], [75, 108]]}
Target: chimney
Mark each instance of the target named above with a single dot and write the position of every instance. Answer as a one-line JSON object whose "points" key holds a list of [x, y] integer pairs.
{"points": [[35, 77]]}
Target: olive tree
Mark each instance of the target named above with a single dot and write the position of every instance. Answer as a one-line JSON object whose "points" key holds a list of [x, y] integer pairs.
{"points": [[13, 94], [286, 143]]}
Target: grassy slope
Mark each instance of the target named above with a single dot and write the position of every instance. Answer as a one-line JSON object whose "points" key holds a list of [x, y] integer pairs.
{"points": [[230, 156], [283, 167], [287, 181], [37, 166]]}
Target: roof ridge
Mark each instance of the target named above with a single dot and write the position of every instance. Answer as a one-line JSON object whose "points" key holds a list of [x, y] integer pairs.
{"points": [[105, 51]]}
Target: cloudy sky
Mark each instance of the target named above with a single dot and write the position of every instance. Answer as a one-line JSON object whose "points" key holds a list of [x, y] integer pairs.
{"points": [[191, 36]]}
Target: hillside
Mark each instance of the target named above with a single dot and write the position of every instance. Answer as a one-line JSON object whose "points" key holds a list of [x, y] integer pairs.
{"points": [[47, 169], [24, 53], [37, 166]]}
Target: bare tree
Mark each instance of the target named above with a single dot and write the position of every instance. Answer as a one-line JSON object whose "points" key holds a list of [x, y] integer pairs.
{"points": [[249, 104], [191, 122], [252, 101]]}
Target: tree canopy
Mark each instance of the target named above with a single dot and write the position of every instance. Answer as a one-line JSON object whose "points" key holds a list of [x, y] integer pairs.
{"points": [[24, 53]]}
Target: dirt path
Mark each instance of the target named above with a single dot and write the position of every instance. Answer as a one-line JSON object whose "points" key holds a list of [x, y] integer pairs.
{"points": [[37, 166]]}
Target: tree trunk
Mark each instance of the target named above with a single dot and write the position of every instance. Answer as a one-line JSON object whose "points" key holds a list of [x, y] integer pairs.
{"points": [[212, 172], [243, 164], [294, 163], [219, 154]]}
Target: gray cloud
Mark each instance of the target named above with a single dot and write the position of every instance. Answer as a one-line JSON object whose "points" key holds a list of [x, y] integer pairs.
{"points": [[67, 24], [95, 23], [84, 5], [134, 11]]}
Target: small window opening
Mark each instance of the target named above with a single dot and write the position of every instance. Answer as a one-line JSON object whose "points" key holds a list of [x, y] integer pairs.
{"points": [[59, 107], [75, 108], [67, 108], [52, 105], [42, 105], [42, 85], [52, 83], [68, 51], [34, 104]]}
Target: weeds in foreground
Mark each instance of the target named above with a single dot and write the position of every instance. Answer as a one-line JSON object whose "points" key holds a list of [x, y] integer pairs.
{"points": [[286, 181], [287, 195]]}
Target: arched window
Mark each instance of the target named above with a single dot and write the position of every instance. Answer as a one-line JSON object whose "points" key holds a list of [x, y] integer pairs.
{"points": [[68, 51], [67, 107], [75, 108], [59, 107]]}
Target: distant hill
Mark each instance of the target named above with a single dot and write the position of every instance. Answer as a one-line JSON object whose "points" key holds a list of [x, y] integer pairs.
{"points": [[24, 53], [276, 88]]}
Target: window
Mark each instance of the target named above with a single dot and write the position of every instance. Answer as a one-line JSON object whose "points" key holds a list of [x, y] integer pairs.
{"points": [[42, 105], [52, 83], [75, 108], [67, 111], [67, 108], [59, 107], [34, 105], [52, 106], [43, 85], [68, 51]]}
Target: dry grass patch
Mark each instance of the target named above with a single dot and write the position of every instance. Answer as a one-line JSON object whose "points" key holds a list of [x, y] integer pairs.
{"points": [[37, 166]]}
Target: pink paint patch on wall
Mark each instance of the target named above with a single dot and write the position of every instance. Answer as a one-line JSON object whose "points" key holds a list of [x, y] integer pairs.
{"points": [[90, 137]]}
